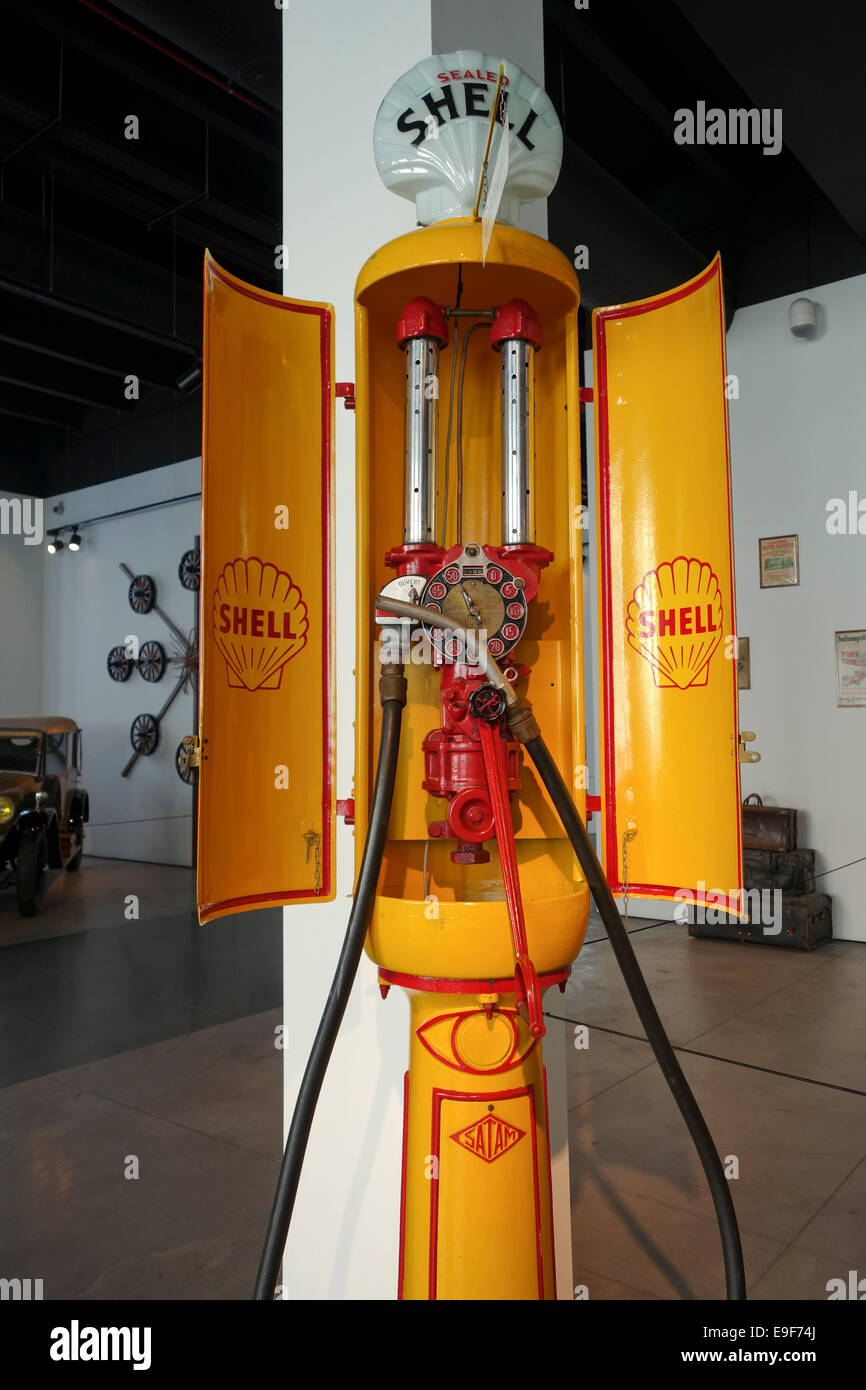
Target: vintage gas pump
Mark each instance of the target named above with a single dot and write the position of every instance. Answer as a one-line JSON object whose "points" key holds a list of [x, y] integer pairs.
{"points": [[474, 868]]}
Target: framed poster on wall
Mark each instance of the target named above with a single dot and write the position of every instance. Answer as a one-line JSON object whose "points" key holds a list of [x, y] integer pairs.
{"points": [[779, 561], [851, 668]]}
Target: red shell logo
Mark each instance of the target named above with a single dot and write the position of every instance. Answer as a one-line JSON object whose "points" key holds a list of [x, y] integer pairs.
{"points": [[674, 621], [259, 622], [489, 1138]]}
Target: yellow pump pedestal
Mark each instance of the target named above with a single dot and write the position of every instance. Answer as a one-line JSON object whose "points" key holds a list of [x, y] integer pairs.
{"points": [[476, 1205], [476, 1208]]}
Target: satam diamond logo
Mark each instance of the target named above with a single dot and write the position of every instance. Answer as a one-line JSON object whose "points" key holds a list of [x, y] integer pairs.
{"points": [[489, 1138]]}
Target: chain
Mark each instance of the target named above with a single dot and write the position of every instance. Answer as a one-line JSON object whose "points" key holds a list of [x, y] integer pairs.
{"points": [[627, 835], [311, 837]]}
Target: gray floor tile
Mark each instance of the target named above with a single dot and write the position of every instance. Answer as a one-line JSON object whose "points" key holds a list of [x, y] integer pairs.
{"points": [[78, 1223], [224, 1081], [652, 1248], [815, 1027], [794, 1143]]}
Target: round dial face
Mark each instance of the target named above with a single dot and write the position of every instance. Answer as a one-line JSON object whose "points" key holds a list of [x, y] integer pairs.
{"points": [[483, 597]]}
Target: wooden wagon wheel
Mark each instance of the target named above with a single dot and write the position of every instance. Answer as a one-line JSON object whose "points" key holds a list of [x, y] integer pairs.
{"points": [[144, 734], [142, 593], [151, 661], [119, 665], [189, 569]]}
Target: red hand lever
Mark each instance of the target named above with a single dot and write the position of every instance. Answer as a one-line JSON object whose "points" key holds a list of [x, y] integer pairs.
{"points": [[527, 993]]}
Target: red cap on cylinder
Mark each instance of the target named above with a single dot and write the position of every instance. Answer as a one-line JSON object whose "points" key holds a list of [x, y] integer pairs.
{"points": [[516, 319], [422, 319]]}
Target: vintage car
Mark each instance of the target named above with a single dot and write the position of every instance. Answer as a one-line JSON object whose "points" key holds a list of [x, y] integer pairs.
{"points": [[42, 808]]}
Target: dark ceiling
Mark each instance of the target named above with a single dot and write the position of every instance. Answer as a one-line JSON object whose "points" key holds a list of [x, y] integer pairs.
{"points": [[653, 212], [102, 238]]}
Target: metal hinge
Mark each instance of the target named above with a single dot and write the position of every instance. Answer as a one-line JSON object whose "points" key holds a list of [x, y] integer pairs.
{"points": [[746, 755], [189, 754]]}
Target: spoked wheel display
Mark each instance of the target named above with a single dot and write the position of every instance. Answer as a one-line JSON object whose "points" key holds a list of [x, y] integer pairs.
{"points": [[189, 569], [30, 868], [151, 661], [119, 664], [142, 593], [144, 734]]}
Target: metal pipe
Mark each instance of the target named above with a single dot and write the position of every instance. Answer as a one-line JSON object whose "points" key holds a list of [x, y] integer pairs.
{"points": [[399, 608], [518, 511], [419, 452], [516, 333]]}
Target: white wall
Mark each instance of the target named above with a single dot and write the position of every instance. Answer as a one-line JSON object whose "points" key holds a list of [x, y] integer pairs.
{"points": [[336, 213], [797, 440], [85, 612], [20, 623]]}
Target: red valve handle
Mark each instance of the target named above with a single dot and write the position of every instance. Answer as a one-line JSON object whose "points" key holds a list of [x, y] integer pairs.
{"points": [[526, 991]]}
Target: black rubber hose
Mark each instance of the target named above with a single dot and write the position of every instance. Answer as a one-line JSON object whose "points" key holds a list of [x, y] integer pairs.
{"points": [[338, 998], [735, 1275]]}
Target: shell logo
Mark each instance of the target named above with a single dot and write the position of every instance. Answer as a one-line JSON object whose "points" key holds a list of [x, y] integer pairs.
{"points": [[259, 622], [674, 621]]}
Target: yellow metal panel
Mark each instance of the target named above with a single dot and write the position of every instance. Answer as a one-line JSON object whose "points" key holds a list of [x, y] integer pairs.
{"points": [[476, 1218], [266, 798], [669, 674]]}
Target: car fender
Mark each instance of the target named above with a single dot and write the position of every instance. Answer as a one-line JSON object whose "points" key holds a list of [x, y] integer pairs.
{"points": [[31, 822]]}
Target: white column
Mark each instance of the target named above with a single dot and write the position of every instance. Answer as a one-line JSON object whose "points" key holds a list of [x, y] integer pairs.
{"points": [[339, 60]]}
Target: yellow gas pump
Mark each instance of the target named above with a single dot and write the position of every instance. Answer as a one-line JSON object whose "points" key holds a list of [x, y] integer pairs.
{"points": [[481, 907], [474, 868]]}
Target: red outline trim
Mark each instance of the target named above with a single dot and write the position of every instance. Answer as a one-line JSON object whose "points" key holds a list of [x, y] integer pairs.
{"points": [[401, 1266], [208, 910], [611, 840], [478, 1098], [514, 1056], [549, 1181], [434, 985]]}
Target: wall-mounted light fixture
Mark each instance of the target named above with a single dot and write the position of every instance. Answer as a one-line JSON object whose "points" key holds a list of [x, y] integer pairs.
{"points": [[804, 318]]}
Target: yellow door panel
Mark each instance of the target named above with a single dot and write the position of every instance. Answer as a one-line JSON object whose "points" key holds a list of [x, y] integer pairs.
{"points": [[266, 785], [671, 805]]}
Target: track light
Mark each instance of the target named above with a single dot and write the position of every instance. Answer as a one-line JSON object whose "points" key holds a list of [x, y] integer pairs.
{"points": [[75, 541], [54, 545], [190, 379]]}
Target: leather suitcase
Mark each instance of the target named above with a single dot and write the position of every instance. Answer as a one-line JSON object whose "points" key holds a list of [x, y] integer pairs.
{"points": [[768, 827], [792, 871], [807, 921]]}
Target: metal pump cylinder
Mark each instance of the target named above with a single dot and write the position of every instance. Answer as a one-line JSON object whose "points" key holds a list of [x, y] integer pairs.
{"points": [[516, 334], [421, 332]]}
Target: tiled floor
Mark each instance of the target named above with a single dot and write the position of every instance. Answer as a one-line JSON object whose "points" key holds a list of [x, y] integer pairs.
{"points": [[777, 1059], [152, 1043]]}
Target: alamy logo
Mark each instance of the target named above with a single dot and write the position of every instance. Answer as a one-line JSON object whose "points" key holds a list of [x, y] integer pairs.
{"points": [[77, 1343], [738, 126], [846, 517], [21, 1290], [22, 516], [854, 1287]]}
